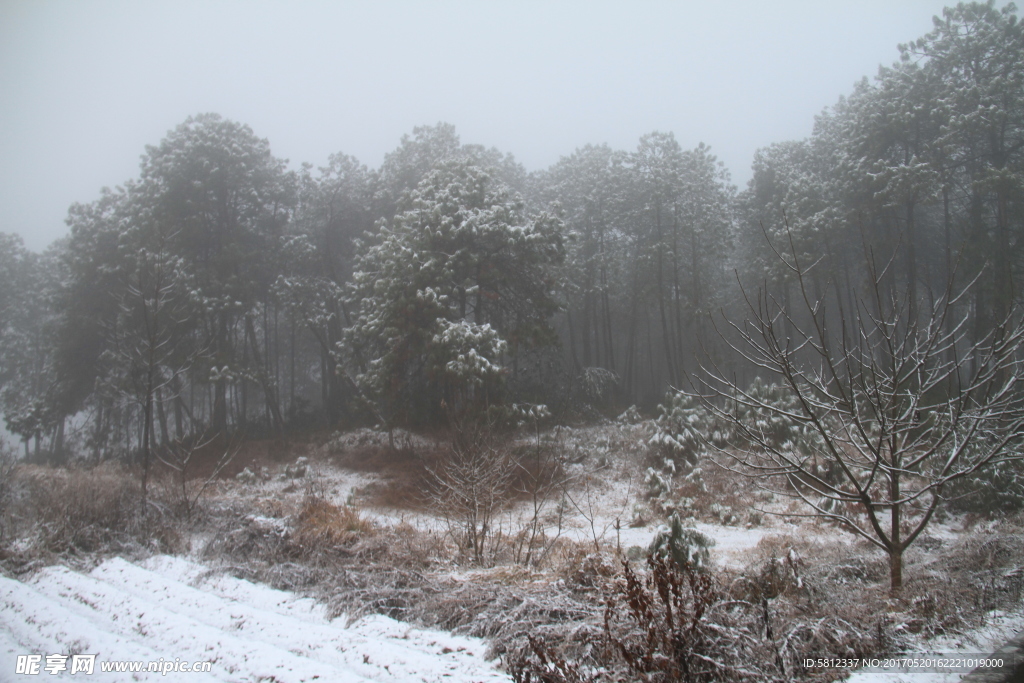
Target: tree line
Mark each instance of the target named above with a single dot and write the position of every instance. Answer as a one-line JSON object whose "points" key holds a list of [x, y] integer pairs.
{"points": [[221, 292]]}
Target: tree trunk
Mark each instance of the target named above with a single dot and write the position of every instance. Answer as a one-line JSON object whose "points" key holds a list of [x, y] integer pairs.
{"points": [[269, 392], [220, 391], [895, 570]]}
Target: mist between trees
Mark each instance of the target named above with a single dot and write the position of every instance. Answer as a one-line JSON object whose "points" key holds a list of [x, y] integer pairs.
{"points": [[220, 293]]}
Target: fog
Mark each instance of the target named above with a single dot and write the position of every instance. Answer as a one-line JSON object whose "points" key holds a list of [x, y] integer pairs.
{"points": [[86, 86], [543, 333]]}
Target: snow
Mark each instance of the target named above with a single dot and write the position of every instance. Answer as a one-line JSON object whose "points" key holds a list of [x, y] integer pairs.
{"points": [[169, 608], [999, 628]]}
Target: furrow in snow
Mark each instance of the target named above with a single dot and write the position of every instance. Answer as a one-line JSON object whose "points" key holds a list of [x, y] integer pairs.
{"points": [[35, 624], [376, 647], [235, 658], [238, 590]]}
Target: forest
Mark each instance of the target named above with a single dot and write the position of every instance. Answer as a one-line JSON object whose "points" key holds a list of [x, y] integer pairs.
{"points": [[221, 291]]}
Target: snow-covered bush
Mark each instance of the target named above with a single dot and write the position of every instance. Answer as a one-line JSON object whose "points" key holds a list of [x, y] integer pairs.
{"points": [[297, 470], [470, 484], [683, 426], [687, 547], [682, 429], [668, 623], [763, 413], [597, 387], [630, 416], [658, 483], [999, 487], [724, 514], [766, 414]]}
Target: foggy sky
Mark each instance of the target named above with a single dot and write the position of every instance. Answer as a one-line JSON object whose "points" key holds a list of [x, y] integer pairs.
{"points": [[85, 86]]}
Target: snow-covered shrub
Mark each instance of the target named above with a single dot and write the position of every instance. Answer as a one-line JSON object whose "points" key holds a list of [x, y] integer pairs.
{"points": [[598, 387], [658, 483], [471, 483], [663, 626], [687, 547], [246, 476], [669, 623], [996, 488], [298, 469], [763, 414], [724, 514], [686, 428], [682, 428], [630, 416]]}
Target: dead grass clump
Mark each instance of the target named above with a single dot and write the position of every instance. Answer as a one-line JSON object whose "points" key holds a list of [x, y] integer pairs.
{"points": [[594, 571], [822, 566], [934, 606], [408, 547], [668, 623], [322, 525], [88, 510], [986, 552], [8, 466], [566, 556], [250, 539], [274, 507], [79, 508]]}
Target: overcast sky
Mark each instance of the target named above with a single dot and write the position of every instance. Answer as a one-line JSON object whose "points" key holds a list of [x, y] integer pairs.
{"points": [[85, 86]]}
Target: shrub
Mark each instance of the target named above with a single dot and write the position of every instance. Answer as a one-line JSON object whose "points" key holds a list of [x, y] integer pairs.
{"points": [[598, 388], [999, 487], [473, 481], [8, 462], [686, 426], [683, 427], [686, 546], [672, 623]]}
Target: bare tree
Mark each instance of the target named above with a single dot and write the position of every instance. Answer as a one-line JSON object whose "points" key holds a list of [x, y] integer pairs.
{"points": [[541, 476], [472, 484], [182, 456], [893, 406]]}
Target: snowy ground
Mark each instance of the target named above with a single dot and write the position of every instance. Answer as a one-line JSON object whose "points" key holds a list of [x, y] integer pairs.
{"points": [[170, 608], [1000, 627]]}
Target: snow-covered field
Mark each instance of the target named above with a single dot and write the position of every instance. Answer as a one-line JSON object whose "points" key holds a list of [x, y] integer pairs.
{"points": [[176, 609], [170, 608]]}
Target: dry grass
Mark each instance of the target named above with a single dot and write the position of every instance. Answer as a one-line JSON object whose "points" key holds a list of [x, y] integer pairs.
{"points": [[322, 525], [75, 512], [825, 597]]}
